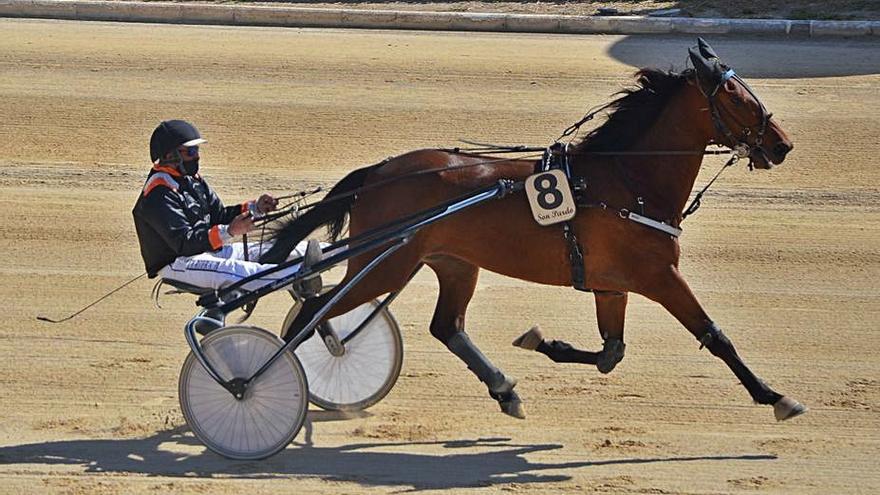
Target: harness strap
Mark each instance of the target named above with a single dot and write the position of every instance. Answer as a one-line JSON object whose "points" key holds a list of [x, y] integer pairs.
{"points": [[575, 258], [654, 224], [556, 157]]}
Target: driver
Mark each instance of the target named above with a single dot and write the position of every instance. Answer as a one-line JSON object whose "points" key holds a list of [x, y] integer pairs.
{"points": [[184, 230]]}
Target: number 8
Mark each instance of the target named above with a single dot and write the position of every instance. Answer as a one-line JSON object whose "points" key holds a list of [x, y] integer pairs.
{"points": [[549, 190]]}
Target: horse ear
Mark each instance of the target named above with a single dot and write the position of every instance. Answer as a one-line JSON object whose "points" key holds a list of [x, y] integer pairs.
{"points": [[706, 50], [708, 72], [702, 66]]}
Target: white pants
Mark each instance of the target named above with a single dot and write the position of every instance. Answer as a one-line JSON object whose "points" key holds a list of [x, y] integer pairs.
{"points": [[218, 269]]}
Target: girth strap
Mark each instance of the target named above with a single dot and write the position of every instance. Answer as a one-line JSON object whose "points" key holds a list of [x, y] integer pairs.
{"points": [[575, 258], [556, 157]]}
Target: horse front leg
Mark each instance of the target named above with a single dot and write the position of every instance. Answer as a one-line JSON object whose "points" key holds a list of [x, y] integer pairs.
{"points": [[610, 313], [673, 293]]}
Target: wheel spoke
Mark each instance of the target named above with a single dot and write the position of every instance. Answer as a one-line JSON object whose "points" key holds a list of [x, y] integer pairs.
{"points": [[365, 372], [271, 412]]}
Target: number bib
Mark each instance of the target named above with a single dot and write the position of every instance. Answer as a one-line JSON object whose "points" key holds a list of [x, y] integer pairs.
{"points": [[550, 197]]}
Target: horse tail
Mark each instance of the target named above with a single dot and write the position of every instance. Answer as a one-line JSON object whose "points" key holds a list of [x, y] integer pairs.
{"points": [[332, 213]]}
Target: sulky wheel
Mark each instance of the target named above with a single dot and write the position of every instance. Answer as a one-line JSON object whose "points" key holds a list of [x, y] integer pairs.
{"points": [[366, 371], [273, 408]]}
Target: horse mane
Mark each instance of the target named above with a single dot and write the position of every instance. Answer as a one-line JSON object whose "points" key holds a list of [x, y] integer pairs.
{"points": [[635, 111]]}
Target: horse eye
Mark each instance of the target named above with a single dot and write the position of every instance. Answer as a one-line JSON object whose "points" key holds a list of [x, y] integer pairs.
{"points": [[736, 100]]}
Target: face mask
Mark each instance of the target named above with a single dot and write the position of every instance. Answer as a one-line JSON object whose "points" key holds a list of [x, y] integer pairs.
{"points": [[190, 168]]}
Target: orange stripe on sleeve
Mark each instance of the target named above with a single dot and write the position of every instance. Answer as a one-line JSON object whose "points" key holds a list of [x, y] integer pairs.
{"points": [[214, 237]]}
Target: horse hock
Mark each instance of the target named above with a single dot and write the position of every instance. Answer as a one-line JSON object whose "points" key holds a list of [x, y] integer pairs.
{"points": [[500, 386]]}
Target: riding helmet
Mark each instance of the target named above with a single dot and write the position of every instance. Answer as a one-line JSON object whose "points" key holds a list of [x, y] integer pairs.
{"points": [[170, 134]]}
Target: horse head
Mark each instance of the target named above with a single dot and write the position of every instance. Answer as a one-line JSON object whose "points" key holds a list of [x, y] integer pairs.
{"points": [[739, 118]]}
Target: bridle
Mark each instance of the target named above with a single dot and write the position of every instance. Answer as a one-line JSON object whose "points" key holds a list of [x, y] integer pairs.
{"points": [[740, 145]]}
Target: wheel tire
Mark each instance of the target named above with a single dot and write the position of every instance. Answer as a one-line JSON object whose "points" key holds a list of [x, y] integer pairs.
{"points": [[273, 409], [368, 369]]}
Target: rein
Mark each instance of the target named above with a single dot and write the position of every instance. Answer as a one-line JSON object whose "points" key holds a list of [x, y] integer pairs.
{"points": [[739, 147], [355, 192], [484, 151]]}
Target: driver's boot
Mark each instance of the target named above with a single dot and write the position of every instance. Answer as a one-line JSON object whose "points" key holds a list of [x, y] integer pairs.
{"points": [[310, 287]]}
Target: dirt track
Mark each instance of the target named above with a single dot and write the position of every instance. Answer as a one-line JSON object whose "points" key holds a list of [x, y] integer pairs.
{"points": [[786, 262]]}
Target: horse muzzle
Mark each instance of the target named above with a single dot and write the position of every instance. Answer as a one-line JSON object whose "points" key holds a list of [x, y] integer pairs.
{"points": [[779, 152], [762, 158]]}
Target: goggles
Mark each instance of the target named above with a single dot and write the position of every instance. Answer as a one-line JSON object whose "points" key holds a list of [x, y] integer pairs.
{"points": [[191, 151]]}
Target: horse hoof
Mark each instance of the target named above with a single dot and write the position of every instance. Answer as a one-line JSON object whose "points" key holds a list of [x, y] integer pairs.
{"points": [[513, 407], [787, 408], [612, 353], [530, 340], [508, 399]]}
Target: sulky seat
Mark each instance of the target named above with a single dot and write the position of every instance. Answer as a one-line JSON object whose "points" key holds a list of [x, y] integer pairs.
{"points": [[183, 287]]}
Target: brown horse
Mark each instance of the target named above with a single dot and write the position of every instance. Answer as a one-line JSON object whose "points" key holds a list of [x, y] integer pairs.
{"points": [[645, 157]]}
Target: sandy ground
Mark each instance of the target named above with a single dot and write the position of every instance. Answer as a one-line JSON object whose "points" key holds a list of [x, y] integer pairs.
{"points": [[786, 261]]}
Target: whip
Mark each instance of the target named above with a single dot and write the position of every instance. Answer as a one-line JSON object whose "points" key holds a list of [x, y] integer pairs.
{"points": [[105, 296]]}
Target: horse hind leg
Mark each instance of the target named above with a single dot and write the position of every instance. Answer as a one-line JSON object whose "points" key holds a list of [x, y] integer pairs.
{"points": [[458, 280]]}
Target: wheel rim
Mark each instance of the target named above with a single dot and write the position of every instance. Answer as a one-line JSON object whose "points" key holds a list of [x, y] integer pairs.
{"points": [[273, 409], [368, 369]]}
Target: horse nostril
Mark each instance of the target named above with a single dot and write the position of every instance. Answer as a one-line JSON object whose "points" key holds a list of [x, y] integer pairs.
{"points": [[781, 149]]}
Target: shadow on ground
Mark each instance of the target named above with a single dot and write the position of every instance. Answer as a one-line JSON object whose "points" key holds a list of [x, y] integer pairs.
{"points": [[764, 58], [466, 463]]}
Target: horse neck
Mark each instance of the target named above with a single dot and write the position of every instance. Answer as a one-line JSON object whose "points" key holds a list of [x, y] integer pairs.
{"points": [[683, 125]]}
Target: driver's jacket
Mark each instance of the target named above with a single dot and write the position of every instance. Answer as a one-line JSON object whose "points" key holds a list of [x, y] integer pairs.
{"points": [[179, 215]]}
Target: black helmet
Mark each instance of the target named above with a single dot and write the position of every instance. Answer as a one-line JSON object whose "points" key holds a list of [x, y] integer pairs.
{"points": [[169, 135]]}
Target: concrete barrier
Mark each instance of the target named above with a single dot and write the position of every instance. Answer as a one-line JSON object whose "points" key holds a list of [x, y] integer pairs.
{"points": [[287, 16], [27, 8], [843, 28]]}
